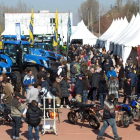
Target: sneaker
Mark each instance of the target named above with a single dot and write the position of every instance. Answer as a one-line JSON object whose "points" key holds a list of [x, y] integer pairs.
{"points": [[100, 138], [61, 106], [119, 138], [67, 106]]}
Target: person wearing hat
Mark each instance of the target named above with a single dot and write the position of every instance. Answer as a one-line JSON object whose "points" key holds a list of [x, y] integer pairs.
{"points": [[78, 89], [16, 113], [109, 118]]}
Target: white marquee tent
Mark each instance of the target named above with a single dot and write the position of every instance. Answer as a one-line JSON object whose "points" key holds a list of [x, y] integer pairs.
{"points": [[83, 33]]}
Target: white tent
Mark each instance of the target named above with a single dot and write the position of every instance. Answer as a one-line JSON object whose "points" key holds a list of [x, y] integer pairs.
{"points": [[121, 25], [83, 33]]}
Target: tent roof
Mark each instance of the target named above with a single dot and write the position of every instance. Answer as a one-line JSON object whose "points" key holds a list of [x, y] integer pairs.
{"points": [[82, 32]]}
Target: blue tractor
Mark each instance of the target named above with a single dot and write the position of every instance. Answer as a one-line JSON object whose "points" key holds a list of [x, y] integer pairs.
{"points": [[17, 54]]}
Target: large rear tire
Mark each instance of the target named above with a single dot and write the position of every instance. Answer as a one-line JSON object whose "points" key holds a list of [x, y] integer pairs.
{"points": [[94, 122], [18, 81], [124, 119], [72, 117]]}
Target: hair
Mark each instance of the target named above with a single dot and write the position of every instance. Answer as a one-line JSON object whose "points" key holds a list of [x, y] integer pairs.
{"points": [[65, 78], [29, 85], [48, 74], [28, 71], [34, 103], [44, 78], [4, 82]]}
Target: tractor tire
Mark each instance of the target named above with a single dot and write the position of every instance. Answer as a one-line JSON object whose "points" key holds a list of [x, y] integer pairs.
{"points": [[34, 71], [18, 83]]}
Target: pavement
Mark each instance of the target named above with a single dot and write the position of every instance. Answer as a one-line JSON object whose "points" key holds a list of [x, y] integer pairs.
{"points": [[67, 131]]}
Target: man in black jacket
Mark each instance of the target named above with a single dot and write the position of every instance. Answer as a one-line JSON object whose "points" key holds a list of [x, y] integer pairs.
{"points": [[94, 83], [33, 116], [78, 89], [109, 118]]}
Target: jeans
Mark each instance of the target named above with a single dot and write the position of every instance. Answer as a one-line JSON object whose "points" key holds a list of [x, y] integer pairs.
{"points": [[102, 99], [16, 127], [30, 128], [112, 123], [73, 80], [66, 100], [94, 93], [85, 94]]}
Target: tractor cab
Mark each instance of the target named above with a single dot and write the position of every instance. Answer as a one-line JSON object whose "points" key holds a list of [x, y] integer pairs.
{"points": [[18, 55]]}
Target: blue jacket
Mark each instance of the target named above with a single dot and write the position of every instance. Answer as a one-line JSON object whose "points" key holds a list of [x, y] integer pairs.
{"points": [[28, 80], [111, 73], [134, 78], [78, 89]]}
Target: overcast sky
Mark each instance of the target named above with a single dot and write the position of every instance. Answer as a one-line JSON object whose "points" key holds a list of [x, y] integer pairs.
{"points": [[61, 5]]}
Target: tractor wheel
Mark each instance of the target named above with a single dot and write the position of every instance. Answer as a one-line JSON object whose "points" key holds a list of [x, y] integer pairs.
{"points": [[18, 81], [34, 71]]}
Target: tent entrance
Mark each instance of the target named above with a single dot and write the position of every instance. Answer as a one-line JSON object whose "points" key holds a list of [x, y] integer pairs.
{"points": [[77, 41]]}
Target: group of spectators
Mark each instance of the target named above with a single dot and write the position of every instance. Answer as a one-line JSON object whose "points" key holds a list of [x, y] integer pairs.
{"points": [[90, 73]]}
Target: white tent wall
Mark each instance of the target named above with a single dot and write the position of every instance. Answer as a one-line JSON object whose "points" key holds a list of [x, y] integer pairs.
{"points": [[114, 31], [128, 31], [129, 25], [122, 26], [125, 53], [83, 33], [131, 32]]}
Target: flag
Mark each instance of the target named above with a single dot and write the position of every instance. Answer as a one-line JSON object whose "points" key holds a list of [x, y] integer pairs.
{"points": [[52, 26], [18, 31], [55, 37], [61, 35], [0, 39], [31, 27], [69, 30]]}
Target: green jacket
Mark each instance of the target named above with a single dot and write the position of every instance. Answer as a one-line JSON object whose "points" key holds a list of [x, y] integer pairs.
{"points": [[78, 69]]}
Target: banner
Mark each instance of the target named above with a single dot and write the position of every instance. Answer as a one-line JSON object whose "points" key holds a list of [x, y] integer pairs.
{"points": [[18, 31], [55, 37], [0, 39], [31, 28]]}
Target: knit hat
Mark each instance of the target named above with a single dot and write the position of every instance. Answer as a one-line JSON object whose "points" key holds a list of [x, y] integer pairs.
{"points": [[80, 75]]}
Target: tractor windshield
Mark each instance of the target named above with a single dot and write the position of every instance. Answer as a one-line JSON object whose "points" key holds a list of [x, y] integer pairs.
{"points": [[12, 50]]}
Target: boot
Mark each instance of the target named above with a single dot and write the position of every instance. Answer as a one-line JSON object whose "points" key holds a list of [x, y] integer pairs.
{"points": [[100, 138], [119, 138], [67, 106], [61, 106]]}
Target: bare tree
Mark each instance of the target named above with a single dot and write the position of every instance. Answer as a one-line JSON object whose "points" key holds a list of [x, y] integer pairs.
{"points": [[90, 9]]}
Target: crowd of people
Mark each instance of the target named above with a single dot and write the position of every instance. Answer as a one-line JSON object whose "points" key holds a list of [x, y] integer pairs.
{"points": [[90, 73]]}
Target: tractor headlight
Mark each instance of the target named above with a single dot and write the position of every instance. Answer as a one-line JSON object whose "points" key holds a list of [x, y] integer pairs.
{"points": [[45, 63], [4, 69]]}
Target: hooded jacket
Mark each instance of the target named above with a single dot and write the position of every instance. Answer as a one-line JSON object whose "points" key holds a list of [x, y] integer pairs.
{"points": [[33, 115]]}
